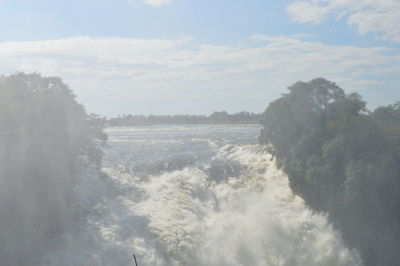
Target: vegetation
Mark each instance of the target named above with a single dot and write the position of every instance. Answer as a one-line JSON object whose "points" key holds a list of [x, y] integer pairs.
{"points": [[343, 160], [46, 139], [215, 118]]}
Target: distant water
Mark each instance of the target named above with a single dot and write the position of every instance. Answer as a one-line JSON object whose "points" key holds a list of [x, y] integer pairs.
{"points": [[195, 195]]}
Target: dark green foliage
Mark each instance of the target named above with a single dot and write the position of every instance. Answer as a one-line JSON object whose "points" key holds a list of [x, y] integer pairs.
{"points": [[46, 139], [342, 160], [215, 118]]}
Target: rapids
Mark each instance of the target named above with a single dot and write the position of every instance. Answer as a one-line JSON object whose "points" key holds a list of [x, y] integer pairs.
{"points": [[191, 196]]}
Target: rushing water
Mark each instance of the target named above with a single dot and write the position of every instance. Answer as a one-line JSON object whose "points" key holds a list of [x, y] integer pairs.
{"points": [[195, 195]]}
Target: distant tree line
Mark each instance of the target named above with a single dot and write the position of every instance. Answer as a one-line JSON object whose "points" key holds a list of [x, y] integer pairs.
{"points": [[46, 140], [215, 118], [341, 159]]}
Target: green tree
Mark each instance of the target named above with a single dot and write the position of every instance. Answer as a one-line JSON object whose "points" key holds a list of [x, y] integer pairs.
{"points": [[343, 160], [46, 140]]}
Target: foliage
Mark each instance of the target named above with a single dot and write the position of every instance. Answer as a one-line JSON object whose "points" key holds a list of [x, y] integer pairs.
{"points": [[342, 160], [46, 139], [215, 118]]}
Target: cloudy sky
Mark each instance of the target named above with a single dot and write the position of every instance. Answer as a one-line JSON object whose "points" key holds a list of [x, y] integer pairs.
{"points": [[198, 56]]}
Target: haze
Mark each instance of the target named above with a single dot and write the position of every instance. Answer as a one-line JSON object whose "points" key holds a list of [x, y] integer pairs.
{"points": [[199, 132], [196, 57]]}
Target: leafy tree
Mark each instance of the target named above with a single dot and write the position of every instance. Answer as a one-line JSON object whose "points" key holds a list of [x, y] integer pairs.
{"points": [[343, 160], [46, 140]]}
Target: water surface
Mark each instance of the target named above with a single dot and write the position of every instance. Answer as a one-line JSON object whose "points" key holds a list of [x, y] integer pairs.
{"points": [[195, 195]]}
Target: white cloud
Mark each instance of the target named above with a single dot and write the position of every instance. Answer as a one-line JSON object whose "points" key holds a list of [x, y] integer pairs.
{"points": [[117, 75], [305, 12], [377, 16], [155, 3]]}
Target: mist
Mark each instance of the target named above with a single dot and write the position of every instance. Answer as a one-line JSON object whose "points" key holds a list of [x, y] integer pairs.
{"points": [[46, 140], [55, 201], [194, 133], [312, 182]]}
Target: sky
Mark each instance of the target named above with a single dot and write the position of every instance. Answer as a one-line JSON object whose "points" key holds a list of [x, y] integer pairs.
{"points": [[199, 56]]}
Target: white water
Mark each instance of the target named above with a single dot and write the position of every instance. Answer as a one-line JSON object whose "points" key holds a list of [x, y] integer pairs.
{"points": [[195, 195]]}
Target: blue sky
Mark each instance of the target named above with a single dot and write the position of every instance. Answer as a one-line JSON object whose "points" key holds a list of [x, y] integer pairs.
{"points": [[197, 56]]}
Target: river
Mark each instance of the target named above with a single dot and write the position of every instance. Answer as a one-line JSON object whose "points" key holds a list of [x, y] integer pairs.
{"points": [[195, 195]]}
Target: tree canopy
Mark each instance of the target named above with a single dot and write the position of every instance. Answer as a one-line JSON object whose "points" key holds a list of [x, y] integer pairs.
{"points": [[343, 160], [46, 139], [215, 118]]}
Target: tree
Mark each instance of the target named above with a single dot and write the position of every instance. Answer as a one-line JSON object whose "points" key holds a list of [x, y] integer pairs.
{"points": [[343, 160], [46, 140]]}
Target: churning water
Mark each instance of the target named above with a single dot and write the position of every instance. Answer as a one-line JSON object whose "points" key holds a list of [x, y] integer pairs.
{"points": [[192, 196]]}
